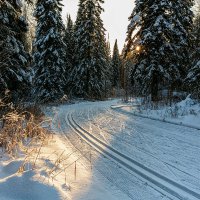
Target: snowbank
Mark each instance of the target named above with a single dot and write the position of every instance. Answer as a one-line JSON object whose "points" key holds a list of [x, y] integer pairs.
{"points": [[186, 112], [21, 179]]}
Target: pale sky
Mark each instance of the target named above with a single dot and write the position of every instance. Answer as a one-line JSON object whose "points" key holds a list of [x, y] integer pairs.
{"points": [[115, 17]]}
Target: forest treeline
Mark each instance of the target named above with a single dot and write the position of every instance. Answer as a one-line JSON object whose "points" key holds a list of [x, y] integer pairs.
{"points": [[43, 59]]}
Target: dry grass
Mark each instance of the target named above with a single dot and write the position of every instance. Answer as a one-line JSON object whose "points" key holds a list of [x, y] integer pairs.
{"points": [[19, 128], [23, 135]]}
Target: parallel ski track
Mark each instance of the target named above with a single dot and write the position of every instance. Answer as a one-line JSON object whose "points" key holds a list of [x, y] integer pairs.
{"points": [[165, 184], [92, 121], [106, 174], [139, 149]]}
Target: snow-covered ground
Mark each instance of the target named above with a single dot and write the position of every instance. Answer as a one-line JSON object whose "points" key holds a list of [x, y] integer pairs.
{"points": [[186, 112], [72, 167]]}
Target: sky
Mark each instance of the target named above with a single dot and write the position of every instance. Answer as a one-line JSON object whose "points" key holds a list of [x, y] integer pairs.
{"points": [[115, 17]]}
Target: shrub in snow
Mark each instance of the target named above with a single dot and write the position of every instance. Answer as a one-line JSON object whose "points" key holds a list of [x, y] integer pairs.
{"points": [[183, 108], [19, 127]]}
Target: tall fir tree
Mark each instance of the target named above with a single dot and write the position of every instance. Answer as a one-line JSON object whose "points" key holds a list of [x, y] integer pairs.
{"points": [[158, 39], [78, 42], [108, 81], [69, 39], [185, 15], [193, 77], [69, 51], [89, 74], [116, 66], [79, 27], [49, 52], [108, 48], [14, 60], [103, 52]]}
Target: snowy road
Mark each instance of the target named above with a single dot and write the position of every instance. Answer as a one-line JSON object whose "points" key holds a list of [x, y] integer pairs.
{"points": [[161, 160]]}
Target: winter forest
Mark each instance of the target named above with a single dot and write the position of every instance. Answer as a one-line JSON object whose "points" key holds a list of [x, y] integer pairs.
{"points": [[62, 78], [42, 59]]}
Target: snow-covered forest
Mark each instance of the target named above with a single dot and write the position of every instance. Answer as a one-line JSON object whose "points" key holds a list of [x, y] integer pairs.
{"points": [[78, 112], [43, 59]]}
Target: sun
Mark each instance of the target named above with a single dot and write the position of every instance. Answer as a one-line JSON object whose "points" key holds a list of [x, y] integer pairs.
{"points": [[138, 48]]}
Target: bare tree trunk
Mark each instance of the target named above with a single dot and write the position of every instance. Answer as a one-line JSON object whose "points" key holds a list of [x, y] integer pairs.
{"points": [[154, 87]]}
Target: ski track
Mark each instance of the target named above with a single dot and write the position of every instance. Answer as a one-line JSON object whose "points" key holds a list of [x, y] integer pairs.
{"points": [[129, 185], [180, 173], [135, 135], [146, 140], [159, 181], [130, 145]]}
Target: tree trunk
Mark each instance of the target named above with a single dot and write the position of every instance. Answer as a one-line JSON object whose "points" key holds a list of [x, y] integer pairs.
{"points": [[154, 87]]}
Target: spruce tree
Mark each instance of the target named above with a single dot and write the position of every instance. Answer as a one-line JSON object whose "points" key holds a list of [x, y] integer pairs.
{"points": [[49, 51], [69, 40], [108, 81], [14, 59], [89, 73], [116, 66], [79, 27], [158, 39], [78, 42], [69, 51], [108, 48], [103, 53], [193, 77], [185, 16]]}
